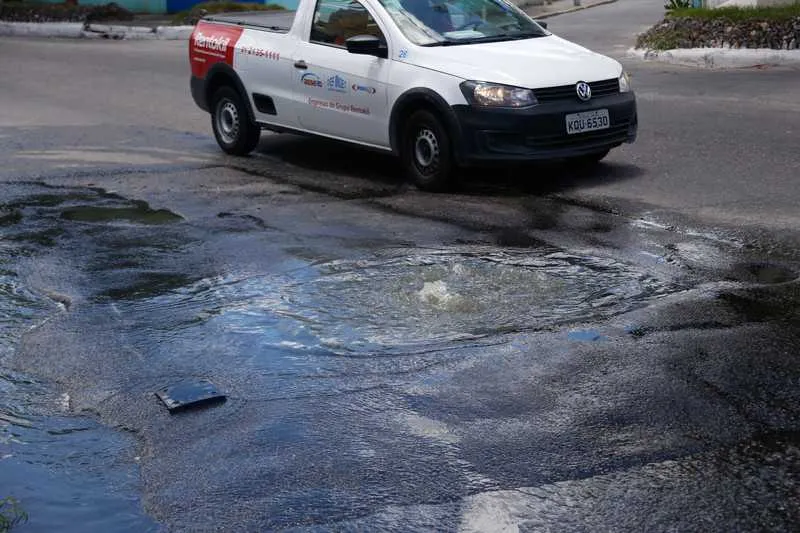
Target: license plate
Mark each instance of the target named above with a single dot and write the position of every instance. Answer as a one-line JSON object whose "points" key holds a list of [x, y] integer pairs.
{"points": [[588, 121]]}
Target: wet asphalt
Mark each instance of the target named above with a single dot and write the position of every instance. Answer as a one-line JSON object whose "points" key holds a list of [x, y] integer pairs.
{"points": [[605, 350]]}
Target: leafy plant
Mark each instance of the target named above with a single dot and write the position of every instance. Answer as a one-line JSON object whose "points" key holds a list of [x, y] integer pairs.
{"points": [[11, 514], [678, 4], [741, 14]]}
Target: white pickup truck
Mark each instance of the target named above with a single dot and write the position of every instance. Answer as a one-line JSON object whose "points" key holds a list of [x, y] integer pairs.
{"points": [[439, 83]]}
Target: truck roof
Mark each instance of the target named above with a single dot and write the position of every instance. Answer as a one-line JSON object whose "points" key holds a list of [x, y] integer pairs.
{"points": [[277, 21]]}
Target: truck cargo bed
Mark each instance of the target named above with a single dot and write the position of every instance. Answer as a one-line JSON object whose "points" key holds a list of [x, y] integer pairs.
{"points": [[277, 21]]}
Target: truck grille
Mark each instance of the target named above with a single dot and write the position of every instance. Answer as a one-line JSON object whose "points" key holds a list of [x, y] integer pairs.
{"points": [[567, 92], [553, 141], [616, 133]]}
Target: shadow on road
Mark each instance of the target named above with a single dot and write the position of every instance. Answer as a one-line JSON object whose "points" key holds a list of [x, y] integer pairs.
{"points": [[543, 178], [347, 161]]}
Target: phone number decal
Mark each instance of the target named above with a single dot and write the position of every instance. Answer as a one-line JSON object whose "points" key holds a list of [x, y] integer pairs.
{"points": [[260, 52]]}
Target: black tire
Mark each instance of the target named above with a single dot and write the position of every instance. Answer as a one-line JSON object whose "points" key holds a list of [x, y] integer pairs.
{"points": [[236, 134], [427, 152]]}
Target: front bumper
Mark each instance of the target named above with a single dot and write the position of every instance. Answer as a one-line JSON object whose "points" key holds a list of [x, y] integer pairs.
{"points": [[539, 132]]}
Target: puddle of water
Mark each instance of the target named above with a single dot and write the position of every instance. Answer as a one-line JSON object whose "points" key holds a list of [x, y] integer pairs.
{"points": [[399, 303], [309, 350], [140, 213], [419, 297], [68, 473], [147, 284]]}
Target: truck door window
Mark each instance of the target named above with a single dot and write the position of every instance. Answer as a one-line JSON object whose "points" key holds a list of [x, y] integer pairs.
{"points": [[335, 21]]}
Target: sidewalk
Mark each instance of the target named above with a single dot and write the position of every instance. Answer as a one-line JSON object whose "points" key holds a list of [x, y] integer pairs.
{"points": [[80, 30]]}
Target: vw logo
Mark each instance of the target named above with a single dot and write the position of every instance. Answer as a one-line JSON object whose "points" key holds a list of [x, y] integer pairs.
{"points": [[583, 90]]}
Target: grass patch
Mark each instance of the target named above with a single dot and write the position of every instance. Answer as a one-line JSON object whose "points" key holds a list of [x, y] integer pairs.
{"points": [[191, 16], [740, 14]]}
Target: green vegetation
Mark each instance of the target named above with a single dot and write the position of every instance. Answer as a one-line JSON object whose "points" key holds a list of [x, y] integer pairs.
{"points": [[678, 4], [740, 14], [11, 514], [191, 16]]}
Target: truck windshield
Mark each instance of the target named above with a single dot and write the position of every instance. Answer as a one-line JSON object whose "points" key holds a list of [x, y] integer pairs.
{"points": [[449, 22]]}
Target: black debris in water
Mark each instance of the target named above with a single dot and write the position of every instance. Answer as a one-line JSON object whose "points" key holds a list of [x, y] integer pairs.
{"points": [[190, 394]]}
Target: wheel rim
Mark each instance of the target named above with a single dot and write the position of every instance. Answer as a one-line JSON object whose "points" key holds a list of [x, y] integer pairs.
{"points": [[426, 151], [227, 121]]}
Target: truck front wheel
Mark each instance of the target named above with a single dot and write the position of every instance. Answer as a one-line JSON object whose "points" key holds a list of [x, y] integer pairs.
{"points": [[426, 152], [236, 134]]}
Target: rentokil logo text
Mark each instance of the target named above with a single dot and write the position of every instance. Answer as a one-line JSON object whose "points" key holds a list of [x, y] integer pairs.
{"points": [[216, 43]]}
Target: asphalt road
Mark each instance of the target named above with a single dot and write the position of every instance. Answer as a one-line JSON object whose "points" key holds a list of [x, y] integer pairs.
{"points": [[547, 350]]}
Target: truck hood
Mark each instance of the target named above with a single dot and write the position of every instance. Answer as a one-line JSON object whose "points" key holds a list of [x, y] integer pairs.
{"points": [[532, 63]]}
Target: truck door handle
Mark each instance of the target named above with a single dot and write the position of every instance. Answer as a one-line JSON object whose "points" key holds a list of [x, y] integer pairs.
{"points": [[300, 64]]}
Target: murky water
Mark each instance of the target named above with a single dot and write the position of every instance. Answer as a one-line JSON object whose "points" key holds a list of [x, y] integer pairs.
{"points": [[368, 383], [405, 299], [68, 473]]}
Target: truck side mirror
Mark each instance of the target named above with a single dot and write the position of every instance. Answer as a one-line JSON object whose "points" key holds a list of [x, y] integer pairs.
{"points": [[368, 45], [542, 23]]}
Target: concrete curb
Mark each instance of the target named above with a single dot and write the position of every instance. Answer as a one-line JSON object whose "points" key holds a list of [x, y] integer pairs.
{"points": [[79, 30], [42, 29], [720, 58], [524, 4]]}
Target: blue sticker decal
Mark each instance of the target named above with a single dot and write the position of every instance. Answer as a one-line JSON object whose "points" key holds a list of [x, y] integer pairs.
{"points": [[337, 83], [403, 53], [363, 89]]}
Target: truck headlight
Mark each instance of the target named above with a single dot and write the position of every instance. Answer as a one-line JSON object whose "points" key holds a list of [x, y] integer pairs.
{"points": [[495, 95], [624, 82]]}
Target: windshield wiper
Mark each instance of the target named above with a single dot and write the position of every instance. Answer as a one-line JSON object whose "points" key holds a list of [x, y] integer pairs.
{"points": [[526, 35], [472, 40], [488, 39]]}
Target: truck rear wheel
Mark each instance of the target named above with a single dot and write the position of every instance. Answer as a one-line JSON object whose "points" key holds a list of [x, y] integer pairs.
{"points": [[426, 152], [236, 134]]}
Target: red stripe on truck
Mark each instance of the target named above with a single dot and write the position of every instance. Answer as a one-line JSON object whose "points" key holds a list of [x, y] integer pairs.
{"points": [[211, 44]]}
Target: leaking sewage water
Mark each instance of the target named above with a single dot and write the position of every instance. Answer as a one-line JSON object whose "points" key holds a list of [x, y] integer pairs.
{"points": [[305, 347]]}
